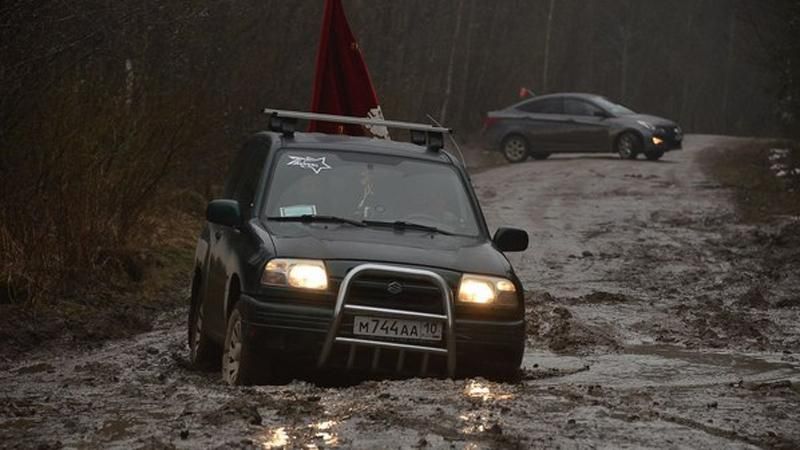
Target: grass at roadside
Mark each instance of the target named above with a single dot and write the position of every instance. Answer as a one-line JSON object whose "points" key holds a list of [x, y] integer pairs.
{"points": [[146, 281], [765, 176]]}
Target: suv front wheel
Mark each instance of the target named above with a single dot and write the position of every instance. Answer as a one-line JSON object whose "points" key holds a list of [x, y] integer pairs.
{"points": [[241, 365], [237, 363]]}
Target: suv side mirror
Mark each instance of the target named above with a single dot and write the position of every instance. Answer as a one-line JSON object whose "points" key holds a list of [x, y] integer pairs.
{"points": [[224, 212], [511, 240], [602, 114]]}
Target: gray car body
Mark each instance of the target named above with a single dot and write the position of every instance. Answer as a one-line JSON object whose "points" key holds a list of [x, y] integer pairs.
{"points": [[574, 133]]}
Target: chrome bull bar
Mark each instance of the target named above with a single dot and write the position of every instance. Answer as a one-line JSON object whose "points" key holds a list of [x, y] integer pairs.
{"points": [[341, 307]]}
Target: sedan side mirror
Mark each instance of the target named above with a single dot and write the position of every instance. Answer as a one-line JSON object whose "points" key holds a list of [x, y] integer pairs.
{"points": [[224, 212], [602, 114], [511, 240]]}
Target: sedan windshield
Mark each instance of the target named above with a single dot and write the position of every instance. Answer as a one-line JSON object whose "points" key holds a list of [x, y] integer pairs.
{"points": [[375, 190], [613, 108]]}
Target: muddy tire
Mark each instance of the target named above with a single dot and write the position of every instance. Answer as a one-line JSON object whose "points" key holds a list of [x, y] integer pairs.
{"points": [[236, 364], [203, 353], [240, 365], [515, 149], [654, 155], [629, 145]]}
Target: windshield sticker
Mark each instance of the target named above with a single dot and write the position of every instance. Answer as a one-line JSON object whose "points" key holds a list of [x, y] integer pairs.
{"points": [[307, 162], [298, 210]]}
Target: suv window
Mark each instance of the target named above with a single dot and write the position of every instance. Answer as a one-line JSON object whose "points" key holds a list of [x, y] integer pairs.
{"points": [[363, 186], [243, 178], [545, 106], [234, 173], [576, 107]]}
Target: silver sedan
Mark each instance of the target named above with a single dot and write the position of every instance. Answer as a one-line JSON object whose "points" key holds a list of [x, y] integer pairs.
{"points": [[578, 123]]}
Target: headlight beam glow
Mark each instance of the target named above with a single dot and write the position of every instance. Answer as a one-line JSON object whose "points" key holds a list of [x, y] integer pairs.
{"points": [[297, 273]]}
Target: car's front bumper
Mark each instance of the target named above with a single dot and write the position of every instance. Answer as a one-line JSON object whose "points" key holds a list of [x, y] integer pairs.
{"points": [[296, 334], [665, 139]]}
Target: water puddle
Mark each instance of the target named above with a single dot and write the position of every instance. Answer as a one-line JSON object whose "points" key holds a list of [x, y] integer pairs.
{"points": [[660, 365]]}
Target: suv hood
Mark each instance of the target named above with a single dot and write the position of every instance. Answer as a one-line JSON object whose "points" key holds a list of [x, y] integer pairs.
{"points": [[385, 245]]}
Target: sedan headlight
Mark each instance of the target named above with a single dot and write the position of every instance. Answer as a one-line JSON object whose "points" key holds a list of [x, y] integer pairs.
{"points": [[483, 290], [297, 273], [647, 125]]}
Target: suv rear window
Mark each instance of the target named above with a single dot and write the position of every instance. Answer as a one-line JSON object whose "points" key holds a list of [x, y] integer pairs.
{"points": [[363, 186]]}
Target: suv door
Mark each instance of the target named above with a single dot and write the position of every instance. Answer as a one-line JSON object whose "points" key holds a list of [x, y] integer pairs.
{"points": [[227, 245], [588, 126], [545, 124]]}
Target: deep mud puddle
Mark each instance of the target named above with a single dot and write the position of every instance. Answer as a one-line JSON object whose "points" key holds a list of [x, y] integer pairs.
{"points": [[139, 394], [662, 365]]}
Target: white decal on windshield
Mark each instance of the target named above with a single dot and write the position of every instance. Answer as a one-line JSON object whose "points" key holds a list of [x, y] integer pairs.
{"points": [[307, 162]]}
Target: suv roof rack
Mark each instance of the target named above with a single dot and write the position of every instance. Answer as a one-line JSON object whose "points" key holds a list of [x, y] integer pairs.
{"points": [[421, 134]]}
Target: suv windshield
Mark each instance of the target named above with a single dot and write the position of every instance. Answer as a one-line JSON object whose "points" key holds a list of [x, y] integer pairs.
{"points": [[371, 188], [613, 108]]}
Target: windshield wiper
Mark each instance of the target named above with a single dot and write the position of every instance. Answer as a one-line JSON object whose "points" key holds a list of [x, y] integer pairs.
{"points": [[309, 218], [399, 224]]}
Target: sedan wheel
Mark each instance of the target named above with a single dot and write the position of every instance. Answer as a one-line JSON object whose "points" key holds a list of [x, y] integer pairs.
{"points": [[628, 146], [515, 149]]}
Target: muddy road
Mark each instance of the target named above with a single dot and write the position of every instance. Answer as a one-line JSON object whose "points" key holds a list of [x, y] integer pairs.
{"points": [[655, 320]]}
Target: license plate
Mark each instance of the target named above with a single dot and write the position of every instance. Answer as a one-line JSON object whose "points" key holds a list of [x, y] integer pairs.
{"points": [[397, 328]]}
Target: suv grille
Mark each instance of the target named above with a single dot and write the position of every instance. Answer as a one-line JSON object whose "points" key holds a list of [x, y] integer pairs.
{"points": [[397, 293]]}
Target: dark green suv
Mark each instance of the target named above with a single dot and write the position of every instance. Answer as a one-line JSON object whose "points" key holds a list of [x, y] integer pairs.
{"points": [[353, 254]]}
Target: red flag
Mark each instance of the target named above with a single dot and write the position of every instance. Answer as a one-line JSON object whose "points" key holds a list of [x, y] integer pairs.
{"points": [[342, 85], [525, 92]]}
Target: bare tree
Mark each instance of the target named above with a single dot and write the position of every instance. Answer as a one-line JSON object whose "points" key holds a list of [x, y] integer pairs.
{"points": [[448, 89], [547, 39], [729, 61], [102, 100]]}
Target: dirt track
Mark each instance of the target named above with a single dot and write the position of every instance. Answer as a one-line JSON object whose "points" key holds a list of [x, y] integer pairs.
{"points": [[654, 322]]}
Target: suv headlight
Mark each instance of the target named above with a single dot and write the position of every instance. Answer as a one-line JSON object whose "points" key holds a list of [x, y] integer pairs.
{"points": [[297, 273], [483, 290]]}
